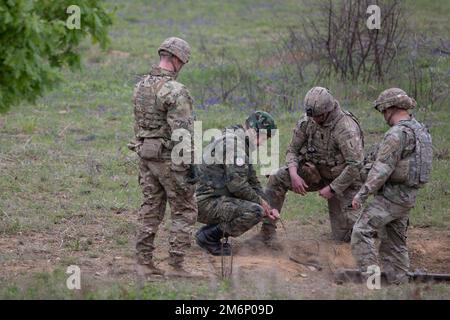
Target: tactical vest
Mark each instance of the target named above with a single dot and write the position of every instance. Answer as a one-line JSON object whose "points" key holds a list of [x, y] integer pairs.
{"points": [[150, 114], [415, 166], [419, 163], [322, 152]]}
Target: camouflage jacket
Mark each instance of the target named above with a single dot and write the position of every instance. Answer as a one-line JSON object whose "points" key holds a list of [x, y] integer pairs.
{"points": [[336, 148], [161, 105], [398, 143], [236, 177]]}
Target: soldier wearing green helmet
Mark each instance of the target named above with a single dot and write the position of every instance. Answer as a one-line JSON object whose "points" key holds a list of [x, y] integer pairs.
{"points": [[229, 195], [325, 155], [402, 165], [261, 120]]}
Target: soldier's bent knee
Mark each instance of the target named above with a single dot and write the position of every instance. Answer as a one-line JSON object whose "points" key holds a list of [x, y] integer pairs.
{"points": [[259, 211]]}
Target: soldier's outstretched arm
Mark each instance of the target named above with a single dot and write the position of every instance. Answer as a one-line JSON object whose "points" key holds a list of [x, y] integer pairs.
{"points": [[389, 153], [238, 183], [256, 184]]}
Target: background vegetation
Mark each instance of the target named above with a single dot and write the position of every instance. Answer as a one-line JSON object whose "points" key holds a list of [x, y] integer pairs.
{"points": [[34, 43], [64, 162]]}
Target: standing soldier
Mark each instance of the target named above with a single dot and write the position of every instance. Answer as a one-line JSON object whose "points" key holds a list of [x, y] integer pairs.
{"points": [[230, 198], [402, 165], [325, 155], [162, 105]]}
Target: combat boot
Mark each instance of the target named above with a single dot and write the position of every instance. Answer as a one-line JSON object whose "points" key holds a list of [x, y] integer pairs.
{"points": [[209, 238], [269, 236], [201, 233], [180, 272], [149, 269], [176, 269]]}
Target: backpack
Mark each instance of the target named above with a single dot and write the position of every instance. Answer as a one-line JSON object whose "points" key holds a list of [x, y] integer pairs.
{"points": [[420, 162]]}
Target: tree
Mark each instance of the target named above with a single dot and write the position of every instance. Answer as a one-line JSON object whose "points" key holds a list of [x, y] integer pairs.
{"points": [[35, 43]]}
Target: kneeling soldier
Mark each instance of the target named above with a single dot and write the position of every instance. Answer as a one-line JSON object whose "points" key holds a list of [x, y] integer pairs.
{"points": [[229, 195], [325, 155]]}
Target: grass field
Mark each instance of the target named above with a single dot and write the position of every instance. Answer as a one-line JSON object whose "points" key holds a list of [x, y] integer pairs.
{"points": [[68, 183]]}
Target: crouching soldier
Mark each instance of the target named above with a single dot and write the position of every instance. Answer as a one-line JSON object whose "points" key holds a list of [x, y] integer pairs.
{"points": [[325, 155], [229, 195], [402, 165]]}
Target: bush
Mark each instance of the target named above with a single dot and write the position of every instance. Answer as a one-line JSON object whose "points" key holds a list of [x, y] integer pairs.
{"points": [[35, 43], [337, 39]]}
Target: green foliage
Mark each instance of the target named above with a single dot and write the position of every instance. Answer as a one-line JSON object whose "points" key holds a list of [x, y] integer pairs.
{"points": [[35, 42], [68, 181]]}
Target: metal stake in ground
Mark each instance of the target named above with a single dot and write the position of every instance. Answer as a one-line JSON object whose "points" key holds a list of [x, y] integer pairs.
{"points": [[224, 274]]}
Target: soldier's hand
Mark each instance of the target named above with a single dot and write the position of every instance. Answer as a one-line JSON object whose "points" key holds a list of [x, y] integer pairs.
{"points": [[356, 203], [326, 193], [298, 185], [273, 214]]}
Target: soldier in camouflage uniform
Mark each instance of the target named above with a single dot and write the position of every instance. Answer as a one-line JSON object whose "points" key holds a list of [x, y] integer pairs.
{"points": [[162, 105], [325, 155], [402, 165], [230, 197]]}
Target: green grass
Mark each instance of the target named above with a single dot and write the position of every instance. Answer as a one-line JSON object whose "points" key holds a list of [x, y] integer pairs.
{"points": [[53, 286], [64, 161]]}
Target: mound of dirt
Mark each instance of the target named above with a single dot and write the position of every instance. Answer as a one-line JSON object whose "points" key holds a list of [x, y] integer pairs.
{"points": [[429, 250], [314, 258], [304, 268]]}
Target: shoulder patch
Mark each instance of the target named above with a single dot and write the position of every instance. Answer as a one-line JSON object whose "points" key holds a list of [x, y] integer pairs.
{"points": [[347, 124], [390, 143]]}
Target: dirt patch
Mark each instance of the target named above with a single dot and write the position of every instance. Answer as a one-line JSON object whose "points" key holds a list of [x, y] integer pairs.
{"points": [[429, 250], [304, 266]]}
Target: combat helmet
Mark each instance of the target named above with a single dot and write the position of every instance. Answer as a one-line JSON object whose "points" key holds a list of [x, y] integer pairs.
{"points": [[176, 46], [394, 97], [261, 120], [318, 101]]}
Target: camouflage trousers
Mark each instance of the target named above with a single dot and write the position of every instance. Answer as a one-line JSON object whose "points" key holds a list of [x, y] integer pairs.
{"points": [[162, 182], [342, 216], [389, 222], [234, 216]]}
